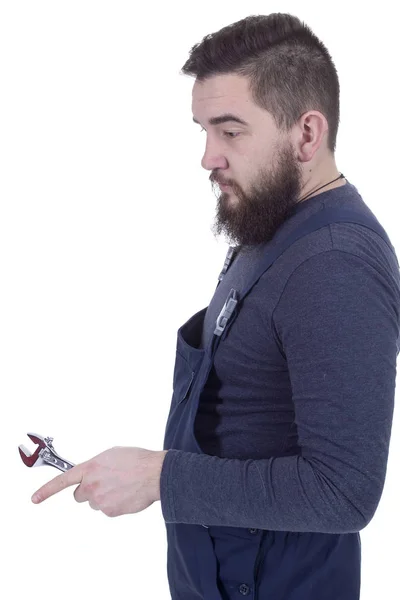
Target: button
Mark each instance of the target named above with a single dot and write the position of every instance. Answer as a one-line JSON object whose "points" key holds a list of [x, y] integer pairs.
{"points": [[244, 589], [253, 530]]}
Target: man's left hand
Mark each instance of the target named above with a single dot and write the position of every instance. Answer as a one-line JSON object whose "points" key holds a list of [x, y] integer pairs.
{"points": [[119, 481]]}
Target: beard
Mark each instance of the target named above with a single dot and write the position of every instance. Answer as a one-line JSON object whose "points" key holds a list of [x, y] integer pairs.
{"points": [[253, 218]]}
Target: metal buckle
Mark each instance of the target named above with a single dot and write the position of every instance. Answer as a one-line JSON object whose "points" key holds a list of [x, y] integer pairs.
{"points": [[228, 260], [226, 312]]}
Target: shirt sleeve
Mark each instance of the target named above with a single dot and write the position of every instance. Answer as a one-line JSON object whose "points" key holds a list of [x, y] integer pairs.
{"points": [[337, 324]]}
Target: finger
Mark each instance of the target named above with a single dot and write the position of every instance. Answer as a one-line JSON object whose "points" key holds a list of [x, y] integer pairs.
{"points": [[71, 477], [80, 495], [93, 505]]}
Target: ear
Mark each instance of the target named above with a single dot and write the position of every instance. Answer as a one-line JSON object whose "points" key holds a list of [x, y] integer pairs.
{"points": [[312, 130]]}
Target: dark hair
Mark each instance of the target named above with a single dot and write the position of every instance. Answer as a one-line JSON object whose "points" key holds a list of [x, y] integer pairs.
{"points": [[290, 71]]}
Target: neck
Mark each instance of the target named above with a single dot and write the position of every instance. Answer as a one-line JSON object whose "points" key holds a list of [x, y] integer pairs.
{"points": [[312, 189]]}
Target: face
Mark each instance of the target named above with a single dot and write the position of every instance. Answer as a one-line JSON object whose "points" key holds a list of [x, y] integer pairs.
{"points": [[255, 159]]}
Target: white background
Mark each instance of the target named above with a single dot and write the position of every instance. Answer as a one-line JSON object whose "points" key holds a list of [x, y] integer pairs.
{"points": [[106, 249]]}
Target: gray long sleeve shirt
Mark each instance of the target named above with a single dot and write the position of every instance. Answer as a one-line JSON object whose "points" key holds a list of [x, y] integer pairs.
{"points": [[295, 419]]}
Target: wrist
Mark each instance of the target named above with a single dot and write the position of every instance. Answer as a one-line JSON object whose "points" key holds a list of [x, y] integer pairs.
{"points": [[156, 472]]}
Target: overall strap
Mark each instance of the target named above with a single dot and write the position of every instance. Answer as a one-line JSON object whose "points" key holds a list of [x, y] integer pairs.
{"points": [[315, 222]]}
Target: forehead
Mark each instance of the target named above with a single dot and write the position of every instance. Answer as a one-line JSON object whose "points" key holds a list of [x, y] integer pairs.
{"points": [[228, 94], [224, 91]]}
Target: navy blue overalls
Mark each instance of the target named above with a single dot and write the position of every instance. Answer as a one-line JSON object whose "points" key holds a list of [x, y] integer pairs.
{"points": [[227, 563]]}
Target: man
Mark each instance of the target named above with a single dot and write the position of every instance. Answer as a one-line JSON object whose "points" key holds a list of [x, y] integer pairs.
{"points": [[277, 438]]}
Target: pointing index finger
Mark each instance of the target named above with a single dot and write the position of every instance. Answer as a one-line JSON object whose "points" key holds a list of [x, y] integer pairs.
{"points": [[71, 477]]}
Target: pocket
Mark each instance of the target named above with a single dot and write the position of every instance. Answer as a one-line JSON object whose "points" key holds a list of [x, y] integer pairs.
{"points": [[182, 380]]}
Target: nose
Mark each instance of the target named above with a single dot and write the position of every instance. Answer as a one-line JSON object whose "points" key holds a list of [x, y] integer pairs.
{"points": [[213, 159]]}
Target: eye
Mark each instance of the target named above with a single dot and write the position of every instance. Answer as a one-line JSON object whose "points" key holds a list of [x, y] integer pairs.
{"points": [[234, 134]]}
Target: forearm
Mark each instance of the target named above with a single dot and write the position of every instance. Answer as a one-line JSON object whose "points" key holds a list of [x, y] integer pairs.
{"points": [[281, 494]]}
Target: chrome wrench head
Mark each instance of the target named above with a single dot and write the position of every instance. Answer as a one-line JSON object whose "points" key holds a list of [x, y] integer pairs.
{"points": [[44, 454]]}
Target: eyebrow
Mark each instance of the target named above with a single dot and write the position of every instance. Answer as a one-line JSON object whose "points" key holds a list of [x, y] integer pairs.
{"points": [[223, 119]]}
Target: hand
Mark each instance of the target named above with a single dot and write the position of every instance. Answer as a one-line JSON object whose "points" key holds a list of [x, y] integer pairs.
{"points": [[119, 481]]}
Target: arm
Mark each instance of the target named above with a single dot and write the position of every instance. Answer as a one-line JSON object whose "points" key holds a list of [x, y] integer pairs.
{"points": [[338, 325]]}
